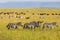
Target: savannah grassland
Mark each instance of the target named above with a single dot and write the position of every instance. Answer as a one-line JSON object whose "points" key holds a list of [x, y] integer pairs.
{"points": [[27, 34]]}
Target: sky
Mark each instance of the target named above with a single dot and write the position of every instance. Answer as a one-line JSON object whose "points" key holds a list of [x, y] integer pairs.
{"points": [[29, 0], [29, 3]]}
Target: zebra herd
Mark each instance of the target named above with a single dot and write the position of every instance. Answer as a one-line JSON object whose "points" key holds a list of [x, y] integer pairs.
{"points": [[33, 25]]}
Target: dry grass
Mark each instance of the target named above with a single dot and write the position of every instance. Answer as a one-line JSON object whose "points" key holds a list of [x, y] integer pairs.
{"points": [[27, 34]]}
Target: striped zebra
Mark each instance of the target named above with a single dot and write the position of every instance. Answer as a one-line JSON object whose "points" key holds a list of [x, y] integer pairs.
{"points": [[14, 25], [49, 25], [32, 25]]}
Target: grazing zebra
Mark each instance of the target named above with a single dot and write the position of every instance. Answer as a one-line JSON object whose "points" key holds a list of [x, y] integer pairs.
{"points": [[32, 25], [49, 25], [13, 25]]}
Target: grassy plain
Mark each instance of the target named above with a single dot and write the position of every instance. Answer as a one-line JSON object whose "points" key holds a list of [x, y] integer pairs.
{"points": [[27, 34]]}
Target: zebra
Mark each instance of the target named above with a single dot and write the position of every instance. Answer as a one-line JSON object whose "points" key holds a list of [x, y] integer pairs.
{"points": [[32, 25], [14, 25], [49, 25]]}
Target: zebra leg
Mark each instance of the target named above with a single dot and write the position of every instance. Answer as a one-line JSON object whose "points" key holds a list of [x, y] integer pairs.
{"points": [[32, 27], [24, 27], [16, 27], [51, 28]]}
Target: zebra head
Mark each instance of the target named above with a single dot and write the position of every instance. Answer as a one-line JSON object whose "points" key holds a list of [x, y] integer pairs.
{"points": [[55, 24]]}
